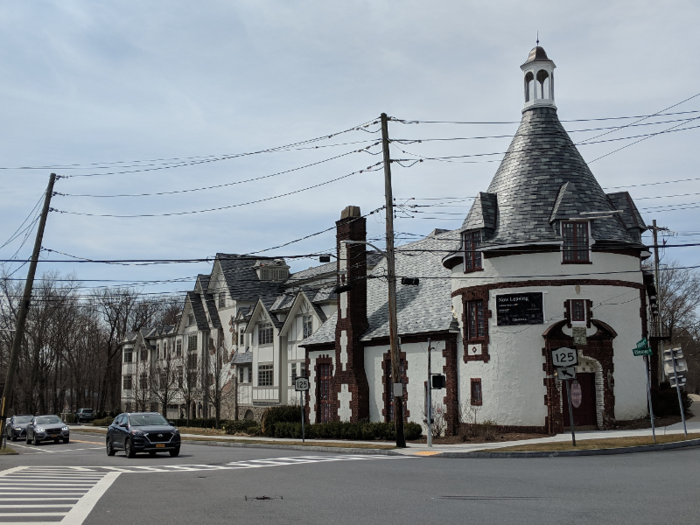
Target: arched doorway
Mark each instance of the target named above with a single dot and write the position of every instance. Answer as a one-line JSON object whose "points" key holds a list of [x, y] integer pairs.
{"points": [[597, 396]]}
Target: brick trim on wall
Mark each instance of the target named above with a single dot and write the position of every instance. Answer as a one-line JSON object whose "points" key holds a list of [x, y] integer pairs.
{"points": [[325, 360], [451, 399]]}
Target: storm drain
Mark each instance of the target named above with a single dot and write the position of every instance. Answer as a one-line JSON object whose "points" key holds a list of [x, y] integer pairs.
{"points": [[262, 498]]}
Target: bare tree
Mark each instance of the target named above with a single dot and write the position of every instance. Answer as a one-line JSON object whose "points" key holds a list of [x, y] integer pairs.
{"points": [[219, 382]]}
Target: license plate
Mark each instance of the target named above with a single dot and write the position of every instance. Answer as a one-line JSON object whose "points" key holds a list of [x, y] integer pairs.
{"points": [[160, 446], [54, 435]]}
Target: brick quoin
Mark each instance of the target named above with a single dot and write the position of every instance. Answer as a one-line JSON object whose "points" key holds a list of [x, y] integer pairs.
{"points": [[451, 398], [353, 272]]}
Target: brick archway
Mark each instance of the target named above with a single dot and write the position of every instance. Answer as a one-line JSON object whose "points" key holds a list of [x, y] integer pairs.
{"points": [[599, 348]]}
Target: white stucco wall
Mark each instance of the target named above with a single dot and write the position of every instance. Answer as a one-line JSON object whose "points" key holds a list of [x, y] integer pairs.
{"points": [[512, 381]]}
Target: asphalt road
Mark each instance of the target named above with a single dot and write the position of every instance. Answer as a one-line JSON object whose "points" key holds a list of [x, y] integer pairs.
{"points": [[212, 485]]}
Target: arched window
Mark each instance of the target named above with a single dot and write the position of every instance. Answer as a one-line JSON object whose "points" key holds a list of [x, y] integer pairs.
{"points": [[543, 84], [529, 86]]}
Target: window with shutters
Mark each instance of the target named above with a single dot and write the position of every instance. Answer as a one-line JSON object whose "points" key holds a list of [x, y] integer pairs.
{"points": [[575, 247]]}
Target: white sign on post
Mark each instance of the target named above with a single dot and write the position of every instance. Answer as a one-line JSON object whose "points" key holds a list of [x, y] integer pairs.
{"points": [[566, 373], [564, 357], [301, 384]]}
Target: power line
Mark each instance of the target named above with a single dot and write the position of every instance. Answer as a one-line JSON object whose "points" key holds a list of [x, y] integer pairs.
{"points": [[220, 208]]}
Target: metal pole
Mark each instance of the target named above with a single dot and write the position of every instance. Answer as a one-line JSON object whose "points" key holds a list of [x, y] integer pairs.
{"points": [[651, 408], [571, 411], [391, 278], [430, 401], [303, 434], [24, 308], [678, 390]]}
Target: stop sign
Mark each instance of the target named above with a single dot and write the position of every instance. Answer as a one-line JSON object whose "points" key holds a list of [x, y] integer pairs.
{"points": [[576, 394]]}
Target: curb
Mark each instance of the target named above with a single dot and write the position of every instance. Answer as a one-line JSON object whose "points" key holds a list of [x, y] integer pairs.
{"points": [[572, 453], [312, 448]]}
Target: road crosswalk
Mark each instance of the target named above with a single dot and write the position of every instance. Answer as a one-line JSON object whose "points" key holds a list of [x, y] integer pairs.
{"points": [[44, 495]]}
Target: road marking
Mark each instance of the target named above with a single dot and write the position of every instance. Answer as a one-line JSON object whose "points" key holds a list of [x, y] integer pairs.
{"points": [[39, 450], [77, 489]]}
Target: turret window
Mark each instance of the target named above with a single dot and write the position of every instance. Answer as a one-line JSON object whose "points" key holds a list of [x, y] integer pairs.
{"points": [[472, 257], [575, 248], [476, 327]]}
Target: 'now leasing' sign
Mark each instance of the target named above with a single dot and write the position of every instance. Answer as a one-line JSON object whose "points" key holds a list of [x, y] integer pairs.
{"points": [[519, 308]]}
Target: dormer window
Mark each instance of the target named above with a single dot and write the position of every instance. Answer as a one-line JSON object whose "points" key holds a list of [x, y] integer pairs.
{"points": [[472, 257], [576, 246]]}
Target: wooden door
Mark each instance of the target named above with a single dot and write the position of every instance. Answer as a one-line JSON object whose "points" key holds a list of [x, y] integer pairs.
{"points": [[585, 413], [324, 393]]}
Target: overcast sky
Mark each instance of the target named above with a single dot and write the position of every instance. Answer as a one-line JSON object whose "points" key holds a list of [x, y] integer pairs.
{"points": [[110, 88]]}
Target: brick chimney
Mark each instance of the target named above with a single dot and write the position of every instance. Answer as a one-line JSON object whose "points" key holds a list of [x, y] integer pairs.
{"points": [[350, 386]]}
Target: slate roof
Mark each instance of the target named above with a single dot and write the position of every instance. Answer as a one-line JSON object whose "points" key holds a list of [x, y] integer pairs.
{"points": [[541, 178], [242, 279], [200, 315], [242, 358], [630, 216], [325, 294], [213, 312], [424, 308], [312, 273]]}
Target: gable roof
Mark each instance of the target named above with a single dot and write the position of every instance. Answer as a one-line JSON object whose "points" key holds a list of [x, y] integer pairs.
{"points": [[242, 279], [200, 315], [426, 308]]}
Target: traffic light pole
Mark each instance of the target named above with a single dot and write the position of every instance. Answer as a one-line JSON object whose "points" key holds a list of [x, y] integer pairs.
{"points": [[391, 278], [24, 309]]}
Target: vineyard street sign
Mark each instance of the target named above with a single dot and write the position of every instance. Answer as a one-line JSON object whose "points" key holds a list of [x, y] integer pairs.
{"points": [[642, 348]]}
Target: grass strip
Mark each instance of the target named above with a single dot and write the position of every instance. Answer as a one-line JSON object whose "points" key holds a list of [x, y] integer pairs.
{"points": [[598, 444], [7, 450], [308, 443]]}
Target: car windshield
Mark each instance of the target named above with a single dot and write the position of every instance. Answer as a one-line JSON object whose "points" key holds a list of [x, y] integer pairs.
{"points": [[142, 420], [48, 420], [23, 419], [86, 410]]}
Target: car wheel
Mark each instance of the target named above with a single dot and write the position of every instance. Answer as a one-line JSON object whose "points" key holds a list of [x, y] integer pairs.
{"points": [[36, 441], [110, 449], [175, 453], [129, 449], [66, 440]]}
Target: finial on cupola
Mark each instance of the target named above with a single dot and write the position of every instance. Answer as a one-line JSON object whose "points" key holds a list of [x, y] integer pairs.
{"points": [[538, 71]]}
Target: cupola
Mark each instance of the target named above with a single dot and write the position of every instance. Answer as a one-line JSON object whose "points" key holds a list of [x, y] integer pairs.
{"points": [[538, 79]]}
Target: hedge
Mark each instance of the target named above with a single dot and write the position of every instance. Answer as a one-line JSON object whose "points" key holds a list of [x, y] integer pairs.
{"points": [[244, 425], [280, 414], [104, 422], [209, 422], [665, 400], [345, 430]]}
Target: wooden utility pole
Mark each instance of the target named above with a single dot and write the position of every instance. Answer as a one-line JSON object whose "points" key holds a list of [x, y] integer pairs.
{"points": [[659, 325], [24, 309], [391, 277]]}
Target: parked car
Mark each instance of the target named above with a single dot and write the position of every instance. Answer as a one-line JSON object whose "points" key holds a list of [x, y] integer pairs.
{"points": [[44, 428], [142, 432], [84, 414], [16, 426]]}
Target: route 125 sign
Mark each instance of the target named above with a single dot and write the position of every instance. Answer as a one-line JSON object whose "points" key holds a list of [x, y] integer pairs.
{"points": [[564, 357]]}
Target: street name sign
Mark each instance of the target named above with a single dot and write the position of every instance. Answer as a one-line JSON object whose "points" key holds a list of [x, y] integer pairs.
{"points": [[301, 384], [564, 357], [642, 348]]}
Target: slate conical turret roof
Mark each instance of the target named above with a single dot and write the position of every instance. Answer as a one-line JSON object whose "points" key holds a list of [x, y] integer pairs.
{"points": [[542, 179]]}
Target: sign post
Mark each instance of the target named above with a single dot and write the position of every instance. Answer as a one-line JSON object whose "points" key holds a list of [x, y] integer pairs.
{"points": [[565, 361], [429, 401], [643, 349], [675, 363], [301, 385]]}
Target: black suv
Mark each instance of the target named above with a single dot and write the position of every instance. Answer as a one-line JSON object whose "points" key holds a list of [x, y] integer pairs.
{"points": [[84, 414], [142, 432], [17, 426], [44, 428]]}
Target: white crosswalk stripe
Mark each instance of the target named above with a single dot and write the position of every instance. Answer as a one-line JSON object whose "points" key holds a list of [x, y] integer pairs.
{"points": [[41, 495]]}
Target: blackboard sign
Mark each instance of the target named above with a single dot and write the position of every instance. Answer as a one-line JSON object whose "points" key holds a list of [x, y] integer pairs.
{"points": [[519, 308]]}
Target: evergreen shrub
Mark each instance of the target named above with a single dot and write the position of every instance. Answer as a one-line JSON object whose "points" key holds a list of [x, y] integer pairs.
{"points": [[665, 400], [279, 414]]}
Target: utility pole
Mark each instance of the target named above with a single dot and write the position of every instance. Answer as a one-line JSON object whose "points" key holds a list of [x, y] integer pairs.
{"points": [[391, 277], [24, 309], [659, 326], [429, 399]]}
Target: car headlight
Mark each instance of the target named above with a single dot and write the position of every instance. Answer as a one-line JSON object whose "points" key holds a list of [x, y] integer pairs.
{"points": [[39, 429], [176, 431], [137, 433], [64, 428]]}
